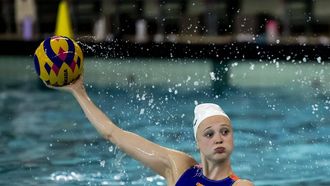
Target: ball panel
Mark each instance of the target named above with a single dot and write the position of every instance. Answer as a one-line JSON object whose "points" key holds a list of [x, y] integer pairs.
{"points": [[70, 52], [63, 77], [36, 64], [79, 52], [50, 51], [78, 62]]}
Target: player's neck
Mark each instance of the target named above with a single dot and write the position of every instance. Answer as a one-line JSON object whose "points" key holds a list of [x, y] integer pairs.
{"points": [[216, 170]]}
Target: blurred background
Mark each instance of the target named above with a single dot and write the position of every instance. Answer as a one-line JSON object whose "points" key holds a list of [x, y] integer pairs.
{"points": [[147, 63], [187, 21]]}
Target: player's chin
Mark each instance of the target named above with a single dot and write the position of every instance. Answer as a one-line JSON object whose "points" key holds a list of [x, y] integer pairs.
{"points": [[220, 156]]}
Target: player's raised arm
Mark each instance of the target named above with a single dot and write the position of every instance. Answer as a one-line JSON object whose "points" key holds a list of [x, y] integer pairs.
{"points": [[166, 162]]}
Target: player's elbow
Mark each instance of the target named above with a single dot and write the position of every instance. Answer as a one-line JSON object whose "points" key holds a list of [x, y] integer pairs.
{"points": [[108, 135], [111, 134]]}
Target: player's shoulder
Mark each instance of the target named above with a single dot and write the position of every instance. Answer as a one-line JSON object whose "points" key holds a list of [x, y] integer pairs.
{"points": [[243, 182]]}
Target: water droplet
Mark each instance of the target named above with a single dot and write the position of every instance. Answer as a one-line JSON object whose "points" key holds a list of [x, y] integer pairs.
{"points": [[102, 163], [288, 58], [111, 149], [142, 111], [212, 75]]}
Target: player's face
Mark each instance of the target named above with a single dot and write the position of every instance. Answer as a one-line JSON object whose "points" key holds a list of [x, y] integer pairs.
{"points": [[215, 138]]}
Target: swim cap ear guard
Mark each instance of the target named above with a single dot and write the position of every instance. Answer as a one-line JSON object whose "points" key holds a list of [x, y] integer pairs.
{"points": [[205, 110]]}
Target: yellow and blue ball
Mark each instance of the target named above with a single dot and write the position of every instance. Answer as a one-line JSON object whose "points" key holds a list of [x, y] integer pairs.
{"points": [[58, 61]]}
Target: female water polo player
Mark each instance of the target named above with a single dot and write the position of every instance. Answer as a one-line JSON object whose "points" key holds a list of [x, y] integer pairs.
{"points": [[214, 137]]}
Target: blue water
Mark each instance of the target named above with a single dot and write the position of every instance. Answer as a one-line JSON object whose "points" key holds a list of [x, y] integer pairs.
{"points": [[281, 133]]}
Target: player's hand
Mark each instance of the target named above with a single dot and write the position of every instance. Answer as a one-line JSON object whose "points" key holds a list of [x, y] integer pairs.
{"points": [[74, 86]]}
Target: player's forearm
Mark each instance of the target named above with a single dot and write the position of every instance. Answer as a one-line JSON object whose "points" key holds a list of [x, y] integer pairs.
{"points": [[98, 119]]}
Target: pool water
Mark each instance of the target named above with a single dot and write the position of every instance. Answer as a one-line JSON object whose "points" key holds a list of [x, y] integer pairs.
{"points": [[280, 117]]}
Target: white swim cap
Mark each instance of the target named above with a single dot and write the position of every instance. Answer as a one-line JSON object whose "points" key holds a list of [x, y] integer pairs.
{"points": [[205, 110]]}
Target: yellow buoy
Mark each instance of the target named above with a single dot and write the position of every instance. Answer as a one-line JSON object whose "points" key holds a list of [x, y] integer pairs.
{"points": [[63, 22]]}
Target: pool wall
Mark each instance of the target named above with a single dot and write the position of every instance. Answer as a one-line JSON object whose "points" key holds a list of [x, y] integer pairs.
{"points": [[180, 73]]}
